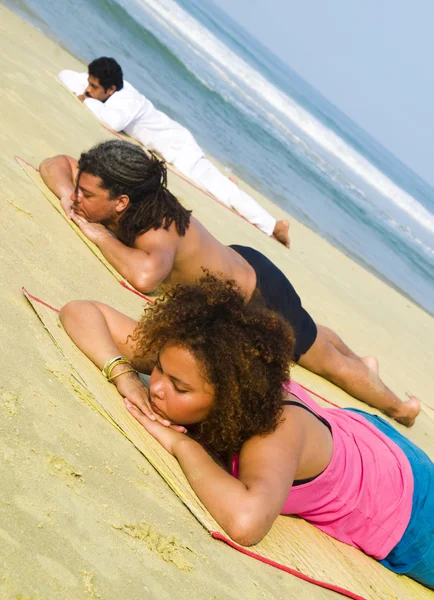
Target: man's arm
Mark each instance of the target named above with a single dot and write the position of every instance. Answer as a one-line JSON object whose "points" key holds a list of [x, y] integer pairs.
{"points": [[59, 174], [74, 81], [145, 266], [117, 112]]}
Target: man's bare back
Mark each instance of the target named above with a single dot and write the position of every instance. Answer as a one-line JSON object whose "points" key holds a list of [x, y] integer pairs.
{"points": [[197, 250], [164, 255]]}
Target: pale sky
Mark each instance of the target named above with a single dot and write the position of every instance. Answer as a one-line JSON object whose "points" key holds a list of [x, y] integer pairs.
{"points": [[373, 59]]}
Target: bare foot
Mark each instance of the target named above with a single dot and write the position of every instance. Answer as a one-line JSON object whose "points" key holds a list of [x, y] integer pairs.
{"points": [[408, 412], [233, 178], [281, 232], [371, 362]]}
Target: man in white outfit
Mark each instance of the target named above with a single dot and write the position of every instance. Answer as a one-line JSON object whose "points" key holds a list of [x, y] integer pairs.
{"points": [[120, 106]]}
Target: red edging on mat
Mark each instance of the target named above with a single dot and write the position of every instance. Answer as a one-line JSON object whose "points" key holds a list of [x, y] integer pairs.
{"points": [[123, 284], [17, 158], [329, 586], [28, 295], [306, 389], [111, 130], [131, 289]]}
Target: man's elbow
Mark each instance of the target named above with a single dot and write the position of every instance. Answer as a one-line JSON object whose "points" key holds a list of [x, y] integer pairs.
{"points": [[106, 116], [115, 124], [65, 75], [45, 165], [108, 120], [48, 163], [144, 283]]}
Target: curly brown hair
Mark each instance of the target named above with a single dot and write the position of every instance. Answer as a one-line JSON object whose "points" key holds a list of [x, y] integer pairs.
{"points": [[243, 348]]}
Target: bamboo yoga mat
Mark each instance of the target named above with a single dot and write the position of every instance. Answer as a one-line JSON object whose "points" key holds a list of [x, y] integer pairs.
{"points": [[33, 174], [292, 544]]}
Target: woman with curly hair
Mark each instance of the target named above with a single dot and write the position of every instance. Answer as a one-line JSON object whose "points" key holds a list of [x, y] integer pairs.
{"points": [[117, 195], [221, 363]]}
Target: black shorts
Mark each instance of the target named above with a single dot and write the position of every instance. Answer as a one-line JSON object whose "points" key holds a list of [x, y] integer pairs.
{"points": [[279, 295]]}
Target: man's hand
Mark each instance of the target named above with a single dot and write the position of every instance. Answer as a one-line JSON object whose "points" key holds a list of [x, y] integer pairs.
{"points": [[66, 203], [136, 393], [167, 436], [82, 97], [93, 231]]}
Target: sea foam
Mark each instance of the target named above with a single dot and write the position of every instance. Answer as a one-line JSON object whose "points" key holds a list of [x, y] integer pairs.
{"points": [[237, 73]]}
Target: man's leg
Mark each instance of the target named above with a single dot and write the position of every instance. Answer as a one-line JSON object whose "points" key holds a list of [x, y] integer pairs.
{"points": [[228, 193], [330, 358], [370, 361]]}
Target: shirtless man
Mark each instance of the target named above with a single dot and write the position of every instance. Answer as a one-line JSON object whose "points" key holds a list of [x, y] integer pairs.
{"points": [[117, 196], [120, 106]]}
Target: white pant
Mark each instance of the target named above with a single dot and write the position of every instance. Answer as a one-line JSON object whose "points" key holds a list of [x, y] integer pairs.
{"points": [[228, 193], [189, 158]]}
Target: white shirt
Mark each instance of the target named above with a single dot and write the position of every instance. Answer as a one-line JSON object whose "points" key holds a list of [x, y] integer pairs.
{"points": [[128, 110]]}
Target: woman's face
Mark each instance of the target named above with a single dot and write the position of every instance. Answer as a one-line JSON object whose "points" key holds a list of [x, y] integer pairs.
{"points": [[178, 390]]}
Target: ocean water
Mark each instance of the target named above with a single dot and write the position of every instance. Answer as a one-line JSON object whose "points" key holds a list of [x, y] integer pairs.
{"points": [[252, 112]]}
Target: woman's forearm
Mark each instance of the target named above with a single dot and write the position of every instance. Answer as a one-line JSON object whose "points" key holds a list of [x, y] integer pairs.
{"points": [[246, 514], [102, 333], [86, 326]]}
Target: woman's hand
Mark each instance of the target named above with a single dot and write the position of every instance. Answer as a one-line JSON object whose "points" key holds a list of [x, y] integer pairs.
{"points": [[136, 393], [134, 390], [167, 436]]}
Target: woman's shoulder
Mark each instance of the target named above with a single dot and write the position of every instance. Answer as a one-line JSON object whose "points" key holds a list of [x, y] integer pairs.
{"points": [[294, 392]]}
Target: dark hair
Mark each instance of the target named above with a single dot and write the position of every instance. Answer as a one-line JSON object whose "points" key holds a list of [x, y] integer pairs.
{"points": [[107, 71], [244, 350], [125, 168]]}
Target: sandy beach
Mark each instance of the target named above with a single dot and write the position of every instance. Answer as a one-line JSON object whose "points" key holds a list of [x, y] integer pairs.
{"points": [[82, 512]]}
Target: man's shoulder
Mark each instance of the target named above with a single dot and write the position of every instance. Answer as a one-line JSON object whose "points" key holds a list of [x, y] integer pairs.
{"points": [[128, 90], [161, 238], [127, 94], [161, 242]]}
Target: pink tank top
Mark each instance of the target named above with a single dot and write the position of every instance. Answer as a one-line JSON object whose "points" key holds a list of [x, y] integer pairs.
{"points": [[364, 497]]}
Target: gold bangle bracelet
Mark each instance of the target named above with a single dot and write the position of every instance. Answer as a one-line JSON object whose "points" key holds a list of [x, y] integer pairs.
{"points": [[119, 361], [108, 364], [121, 373]]}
